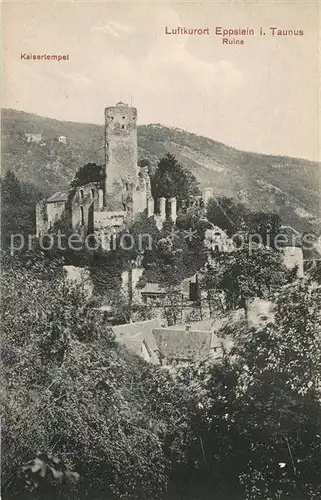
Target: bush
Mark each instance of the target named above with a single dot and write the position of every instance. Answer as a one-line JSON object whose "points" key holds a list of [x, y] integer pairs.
{"points": [[73, 392]]}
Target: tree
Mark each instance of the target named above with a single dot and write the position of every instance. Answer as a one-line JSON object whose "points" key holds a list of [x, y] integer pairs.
{"points": [[18, 208], [72, 391], [247, 272], [263, 227], [226, 213], [91, 172], [256, 416], [172, 180], [279, 375]]}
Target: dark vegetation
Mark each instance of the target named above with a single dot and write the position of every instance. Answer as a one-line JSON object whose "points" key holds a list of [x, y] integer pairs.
{"points": [[107, 425], [83, 418]]}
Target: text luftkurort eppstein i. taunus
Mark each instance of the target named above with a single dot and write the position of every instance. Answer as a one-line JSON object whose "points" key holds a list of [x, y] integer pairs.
{"points": [[228, 35]]}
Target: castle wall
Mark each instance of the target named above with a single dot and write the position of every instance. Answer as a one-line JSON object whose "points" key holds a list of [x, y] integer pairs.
{"points": [[84, 202], [120, 156], [106, 224], [41, 218], [150, 207], [139, 200], [107, 219], [55, 211]]}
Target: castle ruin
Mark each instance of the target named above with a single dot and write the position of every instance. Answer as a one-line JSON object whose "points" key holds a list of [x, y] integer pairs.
{"points": [[105, 209], [126, 191]]}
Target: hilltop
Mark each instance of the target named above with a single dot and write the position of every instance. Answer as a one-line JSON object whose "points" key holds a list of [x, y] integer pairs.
{"points": [[289, 186]]}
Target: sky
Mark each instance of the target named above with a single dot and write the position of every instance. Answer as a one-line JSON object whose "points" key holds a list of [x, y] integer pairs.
{"points": [[261, 96]]}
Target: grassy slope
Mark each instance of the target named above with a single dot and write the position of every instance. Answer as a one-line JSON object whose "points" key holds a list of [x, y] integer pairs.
{"points": [[290, 186]]}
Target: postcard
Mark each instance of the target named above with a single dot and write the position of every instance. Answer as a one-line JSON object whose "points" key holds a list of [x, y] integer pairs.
{"points": [[161, 250]]}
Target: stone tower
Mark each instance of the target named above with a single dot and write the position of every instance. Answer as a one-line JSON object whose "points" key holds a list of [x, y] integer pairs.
{"points": [[121, 168]]}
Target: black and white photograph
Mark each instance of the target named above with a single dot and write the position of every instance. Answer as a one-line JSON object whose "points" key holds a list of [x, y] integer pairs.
{"points": [[161, 250]]}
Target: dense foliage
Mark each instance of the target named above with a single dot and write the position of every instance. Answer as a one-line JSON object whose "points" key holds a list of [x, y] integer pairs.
{"points": [[84, 418], [18, 214], [246, 273], [246, 428], [257, 423], [91, 172], [71, 391], [173, 180]]}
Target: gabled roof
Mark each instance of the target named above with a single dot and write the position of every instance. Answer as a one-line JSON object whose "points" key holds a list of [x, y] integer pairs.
{"points": [[183, 345], [212, 328], [150, 288], [58, 196], [153, 288], [214, 324], [135, 335]]}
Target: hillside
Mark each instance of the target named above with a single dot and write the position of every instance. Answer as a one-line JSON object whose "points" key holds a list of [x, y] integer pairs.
{"points": [[290, 186]]}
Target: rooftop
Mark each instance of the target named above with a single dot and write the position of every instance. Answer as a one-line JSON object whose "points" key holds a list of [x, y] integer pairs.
{"points": [[58, 196], [184, 345], [135, 335]]}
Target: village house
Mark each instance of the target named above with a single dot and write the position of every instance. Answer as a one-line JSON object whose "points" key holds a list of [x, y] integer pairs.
{"points": [[30, 137]]}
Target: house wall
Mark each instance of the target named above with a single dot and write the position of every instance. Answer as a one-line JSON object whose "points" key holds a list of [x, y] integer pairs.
{"points": [[293, 256], [33, 137]]}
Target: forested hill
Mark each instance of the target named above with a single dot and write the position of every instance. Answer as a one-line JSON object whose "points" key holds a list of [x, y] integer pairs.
{"points": [[290, 186]]}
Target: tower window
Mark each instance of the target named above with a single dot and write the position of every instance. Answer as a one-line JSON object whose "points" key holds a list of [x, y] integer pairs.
{"points": [[81, 192], [82, 218], [123, 126]]}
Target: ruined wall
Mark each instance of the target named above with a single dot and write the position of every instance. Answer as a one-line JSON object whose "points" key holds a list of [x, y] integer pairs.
{"points": [[120, 156], [107, 219], [139, 200], [145, 176], [41, 218], [106, 224], [86, 200], [55, 211]]}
